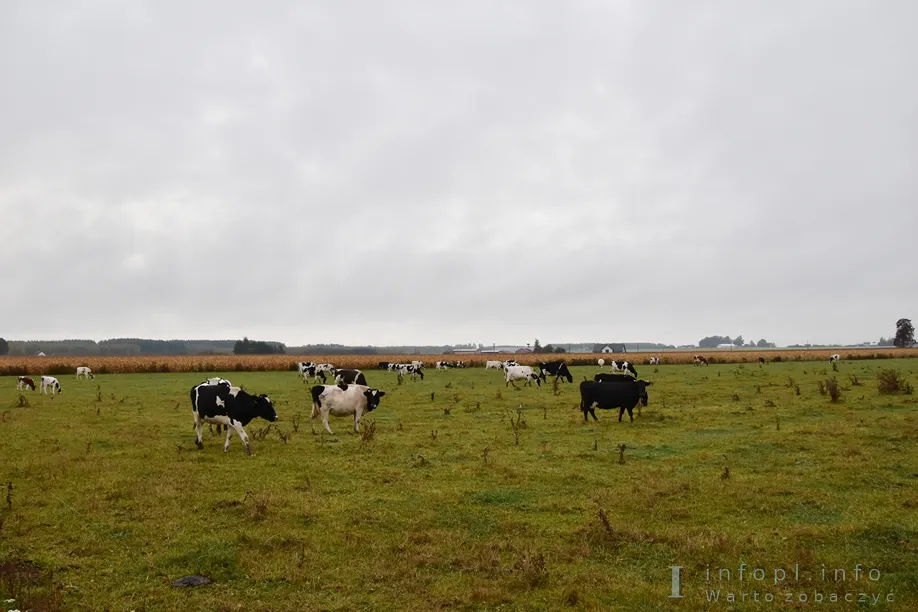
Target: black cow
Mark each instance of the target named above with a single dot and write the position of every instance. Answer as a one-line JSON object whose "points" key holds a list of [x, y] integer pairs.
{"points": [[224, 405], [618, 378], [558, 369], [383, 365], [623, 395], [761, 360], [350, 377]]}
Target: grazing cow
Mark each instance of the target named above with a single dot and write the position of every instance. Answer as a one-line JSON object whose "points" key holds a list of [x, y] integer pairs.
{"points": [[624, 395], [494, 365], [403, 369], [25, 381], [761, 360], [619, 378], [350, 377], [601, 362], [226, 405], [519, 372], [216, 380], [510, 362], [302, 366], [85, 373], [443, 365], [313, 372], [558, 369], [459, 364], [50, 383], [654, 361], [700, 360], [834, 358], [383, 365], [623, 366], [343, 400]]}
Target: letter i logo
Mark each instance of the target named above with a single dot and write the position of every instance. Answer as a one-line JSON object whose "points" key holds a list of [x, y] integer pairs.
{"points": [[676, 594]]}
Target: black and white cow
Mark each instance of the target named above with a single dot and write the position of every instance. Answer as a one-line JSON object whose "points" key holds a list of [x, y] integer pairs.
{"points": [[834, 358], [700, 360], [624, 395], [459, 364], [25, 382], [84, 372], [344, 400], [51, 384], [654, 361], [409, 369], [623, 366], [313, 372], [226, 405], [519, 372], [761, 360], [350, 377], [558, 369], [216, 380], [302, 366], [509, 362], [443, 365]]}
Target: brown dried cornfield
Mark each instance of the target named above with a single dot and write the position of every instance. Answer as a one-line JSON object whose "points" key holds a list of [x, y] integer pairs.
{"points": [[63, 365]]}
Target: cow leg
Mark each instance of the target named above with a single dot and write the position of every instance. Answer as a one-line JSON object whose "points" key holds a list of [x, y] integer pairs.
{"points": [[356, 421], [631, 414], [229, 434], [325, 422], [198, 428], [242, 436], [621, 413]]}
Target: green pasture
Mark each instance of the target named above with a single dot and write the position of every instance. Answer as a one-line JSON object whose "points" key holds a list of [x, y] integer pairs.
{"points": [[463, 494]]}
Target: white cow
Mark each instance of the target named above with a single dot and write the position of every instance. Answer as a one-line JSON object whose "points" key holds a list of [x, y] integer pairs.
{"points": [[601, 362], [417, 364], [654, 361], [494, 365], [50, 383], [518, 372], [354, 400], [84, 372]]}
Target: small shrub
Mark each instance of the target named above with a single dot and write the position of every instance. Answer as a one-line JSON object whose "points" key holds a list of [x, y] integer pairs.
{"points": [[854, 381], [833, 390], [822, 387], [891, 381]]}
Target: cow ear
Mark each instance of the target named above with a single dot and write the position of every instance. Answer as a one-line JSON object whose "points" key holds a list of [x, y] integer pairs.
{"points": [[381, 393]]}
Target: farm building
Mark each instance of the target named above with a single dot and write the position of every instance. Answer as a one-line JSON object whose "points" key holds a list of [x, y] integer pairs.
{"points": [[609, 348]]}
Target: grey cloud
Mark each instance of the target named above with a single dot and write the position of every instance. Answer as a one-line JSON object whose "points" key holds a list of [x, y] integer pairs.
{"points": [[420, 172]]}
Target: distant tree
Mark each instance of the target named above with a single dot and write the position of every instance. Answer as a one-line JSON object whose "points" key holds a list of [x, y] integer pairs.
{"points": [[905, 333], [536, 346], [738, 341], [4, 347], [548, 349], [713, 341], [560, 349], [247, 347]]}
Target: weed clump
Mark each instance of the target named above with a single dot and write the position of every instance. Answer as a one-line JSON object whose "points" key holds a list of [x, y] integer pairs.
{"points": [[892, 381]]}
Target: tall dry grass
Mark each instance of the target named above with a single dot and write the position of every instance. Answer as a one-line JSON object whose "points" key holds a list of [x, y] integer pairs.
{"points": [[57, 366]]}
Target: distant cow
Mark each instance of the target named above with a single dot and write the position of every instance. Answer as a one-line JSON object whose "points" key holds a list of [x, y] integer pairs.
{"points": [[302, 366], [558, 369], [443, 365], [51, 384], [25, 381], [383, 365], [417, 364], [313, 371], [84, 372], [222, 404], [601, 362], [623, 366], [654, 361], [761, 360], [624, 395], [344, 400], [350, 377], [700, 360], [509, 362], [494, 365], [404, 369], [519, 372], [834, 358], [459, 364]]}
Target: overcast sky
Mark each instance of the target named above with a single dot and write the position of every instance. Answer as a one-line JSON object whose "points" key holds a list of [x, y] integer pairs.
{"points": [[423, 172]]}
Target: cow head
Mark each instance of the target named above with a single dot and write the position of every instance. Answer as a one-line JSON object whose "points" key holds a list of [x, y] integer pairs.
{"points": [[264, 408], [537, 379], [642, 389], [373, 396]]}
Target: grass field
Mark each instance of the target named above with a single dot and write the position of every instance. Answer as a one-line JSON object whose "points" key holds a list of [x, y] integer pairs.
{"points": [[462, 500]]}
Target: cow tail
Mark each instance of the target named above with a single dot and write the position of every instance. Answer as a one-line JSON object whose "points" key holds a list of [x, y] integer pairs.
{"points": [[316, 402]]}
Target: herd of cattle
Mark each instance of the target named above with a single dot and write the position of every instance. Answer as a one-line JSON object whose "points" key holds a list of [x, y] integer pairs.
{"points": [[216, 401]]}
